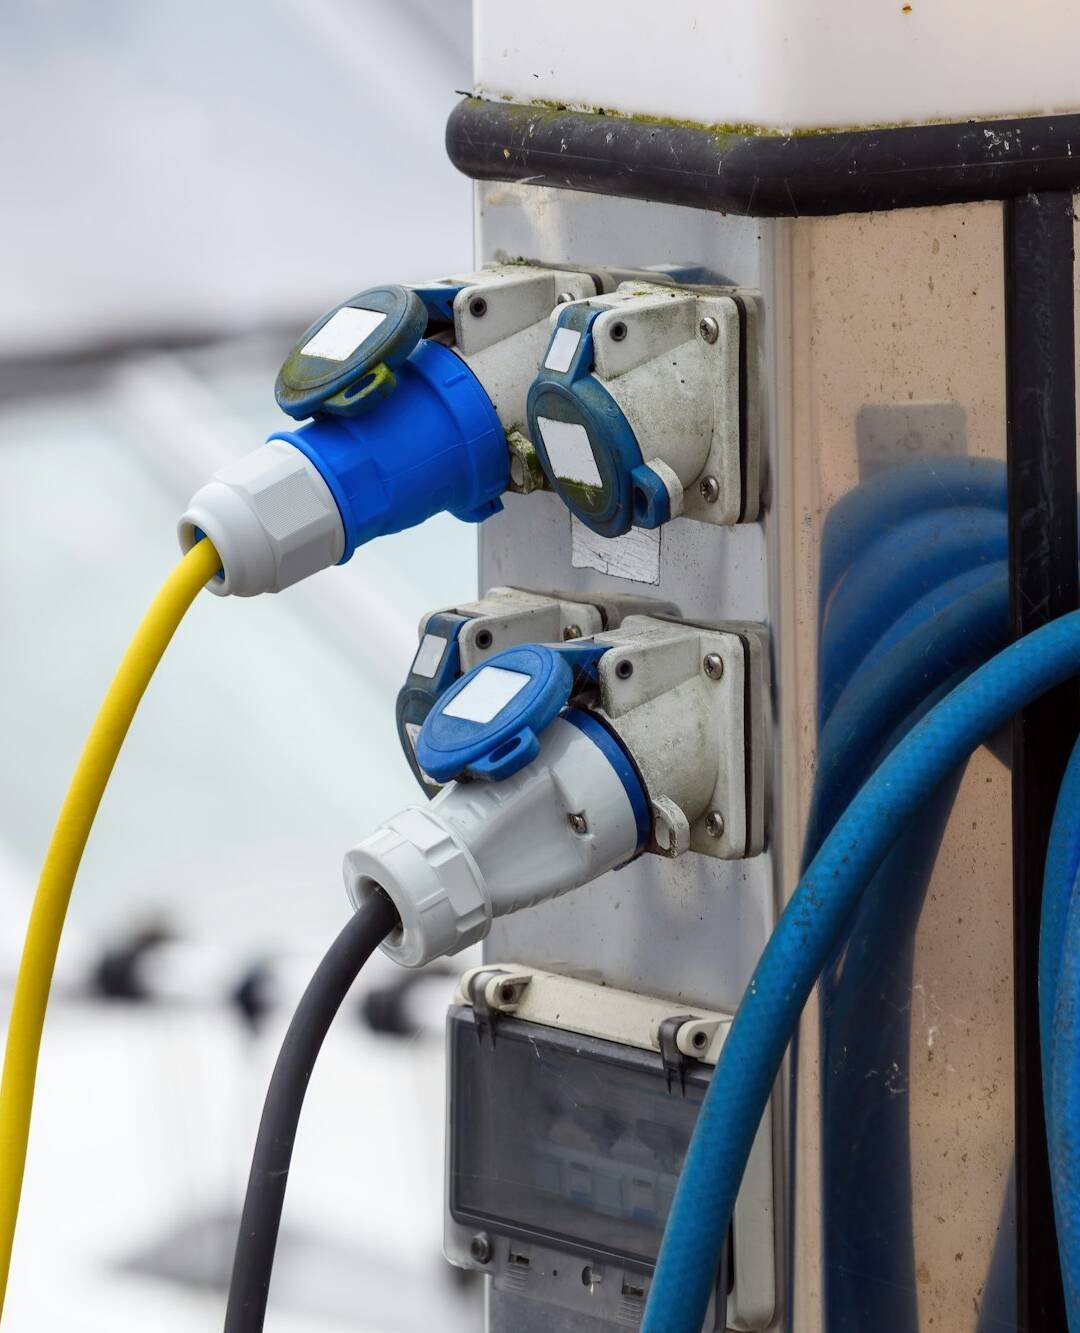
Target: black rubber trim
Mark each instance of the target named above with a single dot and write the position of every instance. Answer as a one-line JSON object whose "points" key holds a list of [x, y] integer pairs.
{"points": [[744, 429], [748, 739], [764, 175], [1040, 395]]}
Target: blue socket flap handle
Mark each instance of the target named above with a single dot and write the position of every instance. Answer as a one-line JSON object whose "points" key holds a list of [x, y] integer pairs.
{"points": [[344, 364], [488, 724]]}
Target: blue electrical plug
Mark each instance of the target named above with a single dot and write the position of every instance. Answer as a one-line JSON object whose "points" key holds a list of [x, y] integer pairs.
{"points": [[401, 430]]}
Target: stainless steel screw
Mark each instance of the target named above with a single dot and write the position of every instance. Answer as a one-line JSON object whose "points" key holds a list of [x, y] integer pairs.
{"points": [[578, 823], [564, 297], [572, 632], [480, 1248], [709, 329], [478, 307], [713, 666], [714, 824], [709, 490]]}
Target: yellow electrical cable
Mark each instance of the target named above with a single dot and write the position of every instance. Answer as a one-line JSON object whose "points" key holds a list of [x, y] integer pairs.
{"points": [[61, 864]]}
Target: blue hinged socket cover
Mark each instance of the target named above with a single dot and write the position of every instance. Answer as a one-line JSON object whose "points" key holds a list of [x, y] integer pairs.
{"points": [[434, 669], [488, 724], [344, 363], [585, 444]]}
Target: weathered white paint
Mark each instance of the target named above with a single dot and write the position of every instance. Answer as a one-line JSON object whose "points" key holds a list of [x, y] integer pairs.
{"points": [[781, 64]]}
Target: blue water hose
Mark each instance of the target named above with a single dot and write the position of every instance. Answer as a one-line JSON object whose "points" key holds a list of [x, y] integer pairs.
{"points": [[859, 517], [934, 603], [875, 705], [866, 1049], [867, 1059], [902, 566], [1059, 1024], [1062, 865], [1064, 1107], [808, 931]]}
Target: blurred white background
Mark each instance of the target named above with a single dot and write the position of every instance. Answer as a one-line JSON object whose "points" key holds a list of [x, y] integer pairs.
{"points": [[185, 187]]}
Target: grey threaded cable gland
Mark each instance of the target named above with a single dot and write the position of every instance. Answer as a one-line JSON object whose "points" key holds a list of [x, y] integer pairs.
{"points": [[433, 882], [481, 850], [272, 519]]}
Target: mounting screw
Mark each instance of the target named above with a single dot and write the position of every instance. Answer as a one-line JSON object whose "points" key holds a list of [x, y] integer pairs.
{"points": [[480, 1248], [709, 490], [617, 331], [714, 824], [478, 307], [572, 632], [564, 297], [624, 669], [484, 638], [713, 665], [709, 329], [578, 823]]}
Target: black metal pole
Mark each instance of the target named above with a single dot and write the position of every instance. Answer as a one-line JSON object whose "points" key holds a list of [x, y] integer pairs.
{"points": [[1040, 394]]}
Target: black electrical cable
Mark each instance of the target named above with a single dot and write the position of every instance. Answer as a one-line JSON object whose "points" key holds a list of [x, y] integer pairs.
{"points": [[259, 1222]]}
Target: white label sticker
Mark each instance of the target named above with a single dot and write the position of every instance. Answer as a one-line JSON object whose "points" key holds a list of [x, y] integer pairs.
{"points": [[569, 451], [343, 333], [634, 556], [561, 352], [486, 694], [429, 655]]}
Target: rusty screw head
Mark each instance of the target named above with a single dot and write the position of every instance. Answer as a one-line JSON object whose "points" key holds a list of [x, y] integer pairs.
{"points": [[572, 632]]}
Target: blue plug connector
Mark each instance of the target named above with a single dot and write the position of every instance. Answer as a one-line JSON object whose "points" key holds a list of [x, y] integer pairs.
{"points": [[433, 444], [401, 430]]}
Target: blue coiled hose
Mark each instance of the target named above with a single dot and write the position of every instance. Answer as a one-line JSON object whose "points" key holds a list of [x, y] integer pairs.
{"points": [[902, 566], [1059, 1024], [806, 935], [1059, 877], [858, 518], [874, 706], [1064, 1109]]}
